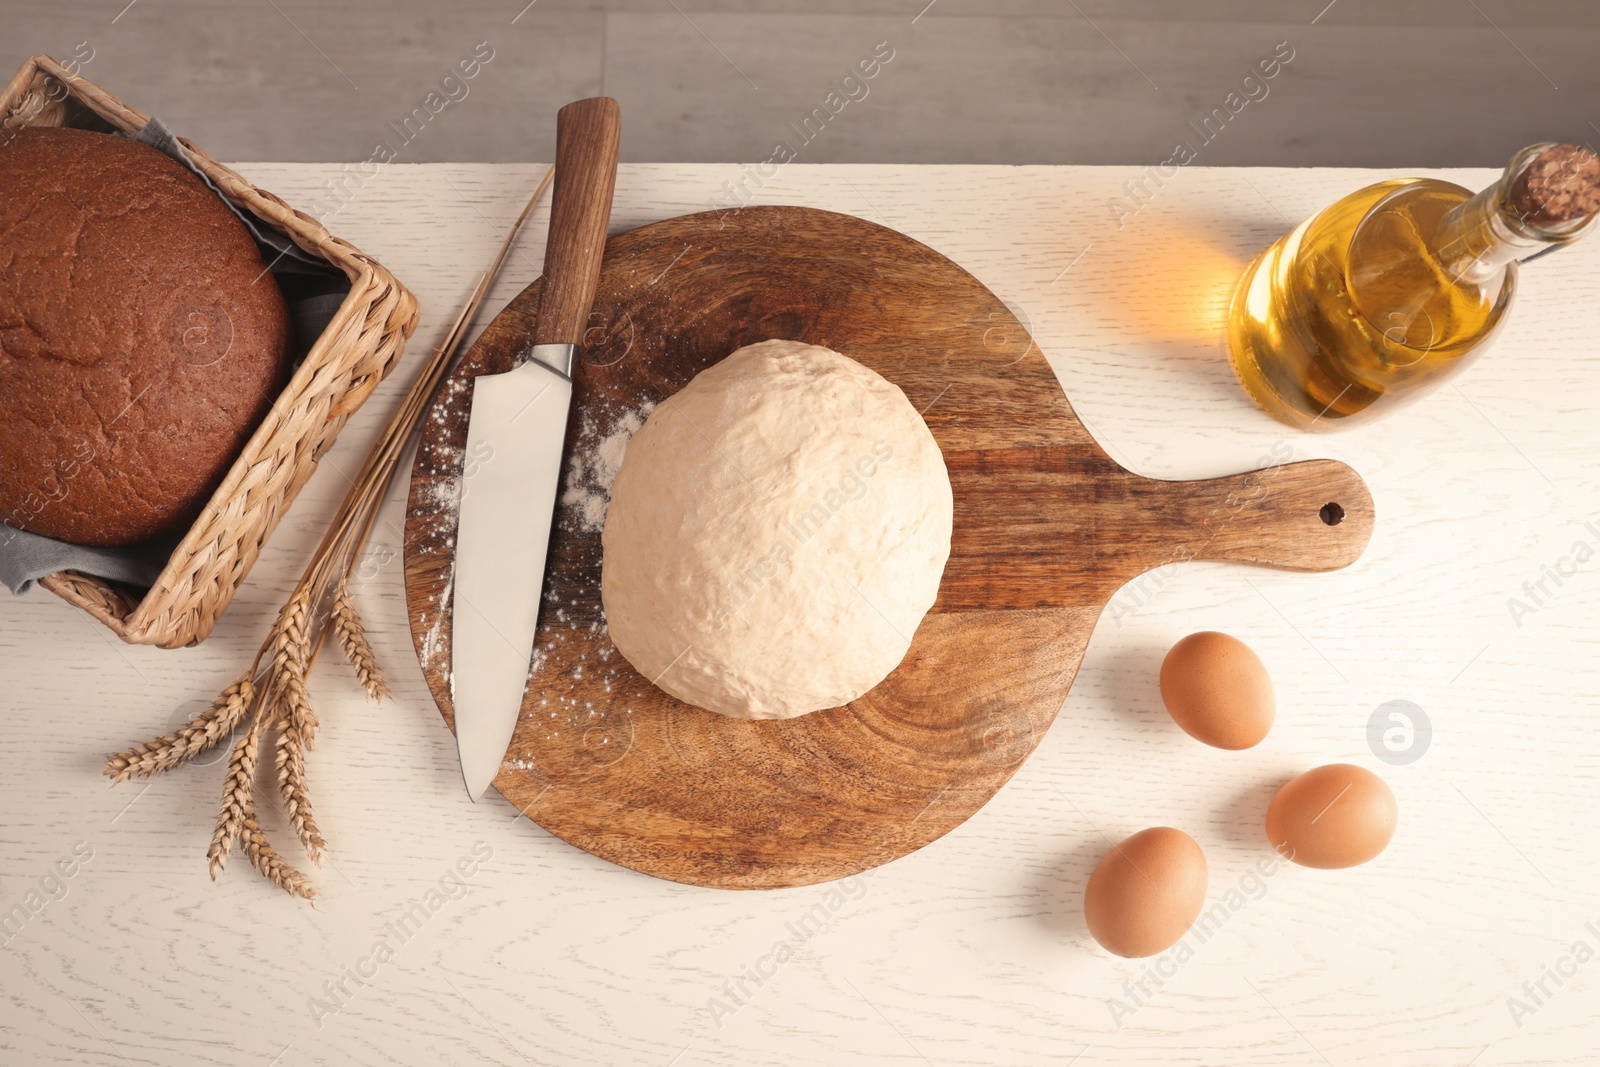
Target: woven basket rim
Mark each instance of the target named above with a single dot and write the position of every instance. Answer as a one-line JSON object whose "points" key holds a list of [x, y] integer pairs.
{"points": [[207, 566]]}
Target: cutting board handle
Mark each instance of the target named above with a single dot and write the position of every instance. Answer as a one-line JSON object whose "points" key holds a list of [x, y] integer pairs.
{"points": [[587, 135], [1316, 515]]}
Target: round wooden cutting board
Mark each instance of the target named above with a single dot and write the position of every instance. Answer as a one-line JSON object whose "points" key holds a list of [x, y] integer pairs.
{"points": [[1047, 527]]}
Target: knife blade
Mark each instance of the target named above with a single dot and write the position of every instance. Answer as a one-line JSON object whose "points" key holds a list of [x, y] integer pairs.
{"points": [[517, 431]]}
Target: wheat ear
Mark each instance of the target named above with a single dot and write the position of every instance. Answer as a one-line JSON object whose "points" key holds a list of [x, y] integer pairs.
{"points": [[238, 790], [197, 735], [353, 639], [296, 721], [265, 858], [296, 726]]}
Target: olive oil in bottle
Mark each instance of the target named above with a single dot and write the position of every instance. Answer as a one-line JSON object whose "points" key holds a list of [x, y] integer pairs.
{"points": [[1384, 295]]}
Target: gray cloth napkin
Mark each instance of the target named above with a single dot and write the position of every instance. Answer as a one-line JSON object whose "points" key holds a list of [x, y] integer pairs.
{"points": [[313, 290], [26, 557]]}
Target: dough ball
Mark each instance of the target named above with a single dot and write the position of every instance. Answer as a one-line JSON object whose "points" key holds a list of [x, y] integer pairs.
{"points": [[776, 533]]}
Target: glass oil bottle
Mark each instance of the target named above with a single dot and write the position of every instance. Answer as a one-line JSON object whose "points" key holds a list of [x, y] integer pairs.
{"points": [[1387, 293]]}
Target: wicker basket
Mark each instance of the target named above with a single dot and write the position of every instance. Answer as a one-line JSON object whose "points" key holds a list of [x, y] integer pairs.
{"points": [[358, 349]]}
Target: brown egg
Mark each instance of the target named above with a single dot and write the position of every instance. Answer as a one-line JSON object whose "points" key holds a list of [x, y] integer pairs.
{"points": [[1146, 892], [1334, 816], [1218, 690]]}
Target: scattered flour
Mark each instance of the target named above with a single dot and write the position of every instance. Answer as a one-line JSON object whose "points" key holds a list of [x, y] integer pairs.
{"points": [[593, 467], [432, 643], [446, 494]]}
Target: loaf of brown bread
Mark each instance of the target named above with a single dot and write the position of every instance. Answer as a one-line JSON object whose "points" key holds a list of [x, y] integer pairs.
{"points": [[142, 338]]}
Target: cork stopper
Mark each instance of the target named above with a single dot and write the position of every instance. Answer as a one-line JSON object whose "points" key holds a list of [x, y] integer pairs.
{"points": [[1559, 185]]}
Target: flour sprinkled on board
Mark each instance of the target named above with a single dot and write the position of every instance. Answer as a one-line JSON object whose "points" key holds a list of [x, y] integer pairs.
{"points": [[594, 465], [432, 643], [445, 494]]}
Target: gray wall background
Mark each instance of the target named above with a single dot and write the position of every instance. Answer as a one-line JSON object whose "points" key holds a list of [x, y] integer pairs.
{"points": [[1389, 83]]}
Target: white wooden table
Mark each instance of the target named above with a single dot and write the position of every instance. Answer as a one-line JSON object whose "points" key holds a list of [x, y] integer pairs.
{"points": [[972, 951]]}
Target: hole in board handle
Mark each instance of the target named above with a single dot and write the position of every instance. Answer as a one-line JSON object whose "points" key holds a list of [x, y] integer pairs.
{"points": [[1331, 514]]}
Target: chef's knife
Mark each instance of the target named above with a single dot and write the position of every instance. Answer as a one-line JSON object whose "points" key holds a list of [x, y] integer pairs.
{"points": [[517, 431]]}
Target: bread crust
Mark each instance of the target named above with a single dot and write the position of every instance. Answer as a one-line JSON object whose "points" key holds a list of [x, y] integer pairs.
{"points": [[142, 338]]}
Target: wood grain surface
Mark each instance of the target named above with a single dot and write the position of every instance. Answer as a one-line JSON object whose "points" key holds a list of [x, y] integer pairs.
{"points": [[588, 133], [1046, 528], [973, 952]]}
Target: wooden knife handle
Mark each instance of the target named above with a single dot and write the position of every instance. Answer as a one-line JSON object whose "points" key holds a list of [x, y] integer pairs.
{"points": [[587, 133]]}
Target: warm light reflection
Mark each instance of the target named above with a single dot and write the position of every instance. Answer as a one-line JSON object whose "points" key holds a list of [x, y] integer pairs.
{"points": [[1180, 286], [1258, 300]]}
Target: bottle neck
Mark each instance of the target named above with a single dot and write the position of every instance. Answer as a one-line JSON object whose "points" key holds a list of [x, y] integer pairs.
{"points": [[1483, 236]]}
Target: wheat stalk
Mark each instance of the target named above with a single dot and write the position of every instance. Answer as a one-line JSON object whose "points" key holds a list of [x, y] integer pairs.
{"points": [[273, 692]]}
